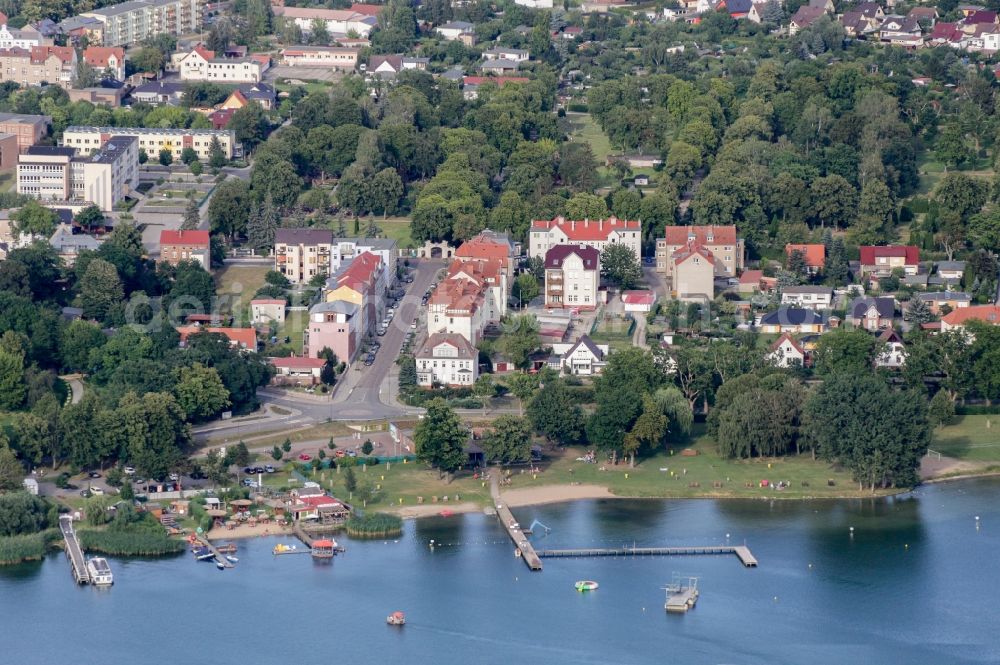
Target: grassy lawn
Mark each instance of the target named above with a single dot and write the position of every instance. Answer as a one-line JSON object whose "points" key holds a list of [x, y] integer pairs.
{"points": [[240, 282], [265, 441], [293, 328], [398, 228], [8, 181], [669, 474], [932, 171], [311, 86], [586, 129], [970, 438]]}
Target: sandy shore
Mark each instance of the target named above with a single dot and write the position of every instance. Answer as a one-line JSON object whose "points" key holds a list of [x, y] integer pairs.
{"points": [[432, 509], [535, 496], [245, 531]]}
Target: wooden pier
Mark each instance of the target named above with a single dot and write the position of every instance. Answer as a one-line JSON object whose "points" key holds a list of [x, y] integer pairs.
{"points": [[741, 551], [681, 597], [219, 556], [513, 529], [73, 550]]}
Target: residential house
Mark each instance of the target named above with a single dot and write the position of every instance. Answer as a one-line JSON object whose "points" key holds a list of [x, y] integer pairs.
{"points": [[154, 139], [457, 306], [600, 6], [535, 4], [339, 22], [267, 311], [635, 160], [638, 302], [337, 57], [177, 246], [103, 175], [243, 338], [498, 67], [826, 5], [942, 302], [692, 269], [337, 325], [951, 270], [454, 30], [296, 370], [959, 318], [112, 97], [737, 8], [813, 253], [813, 297], [447, 359], [571, 32], [872, 313], [597, 233], [881, 261], [75, 28], [750, 281], [161, 92], [388, 66], [755, 14], [106, 59], [728, 250], [901, 31], [572, 277], [924, 15], [39, 66], [201, 64], [786, 352], [136, 21], [301, 254], [490, 245], [582, 357], [245, 93], [24, 38], [804, 17], [471, 84], [792, 320], [29, 129], [68, 245], [892, 353], [344, 250], [504, 53], [489, 274]]}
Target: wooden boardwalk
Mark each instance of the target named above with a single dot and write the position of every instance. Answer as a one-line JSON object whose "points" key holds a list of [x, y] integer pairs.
{"points": [[513, 529], [219, 556], [741, 551], [73, 550]]}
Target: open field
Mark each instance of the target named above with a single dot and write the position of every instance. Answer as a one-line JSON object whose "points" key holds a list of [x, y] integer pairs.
{"points": [[239, 281], [398, 228], [585, 129], [970, 438], [932, 171]]}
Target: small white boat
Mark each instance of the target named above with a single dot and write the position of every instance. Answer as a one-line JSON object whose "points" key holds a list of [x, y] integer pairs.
{"points": [[586, 585], [396, 619], [100, 572], [230, 558], [220, 565]]}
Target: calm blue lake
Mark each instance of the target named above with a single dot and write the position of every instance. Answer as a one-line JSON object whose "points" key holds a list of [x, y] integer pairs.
{"points": [[917, 583]]}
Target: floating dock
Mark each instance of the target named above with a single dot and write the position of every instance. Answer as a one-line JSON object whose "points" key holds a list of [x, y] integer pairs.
{"points": [[681, 597], [73, 551], [523, 548], [219, 558], [741, 551]]}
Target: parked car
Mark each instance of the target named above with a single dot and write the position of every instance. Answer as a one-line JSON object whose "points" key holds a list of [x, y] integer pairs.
{"points": [[174, 477], [85, 494], [408, 280], [381, 332], [369, 361], [130, 470], [305, 457], [94, 474], [413, 326], [248, 470], [96, 491], [249, 482], [268, 469]]}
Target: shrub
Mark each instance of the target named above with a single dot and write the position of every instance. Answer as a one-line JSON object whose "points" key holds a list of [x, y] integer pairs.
{"points": [[374, 525], [29, 547]]}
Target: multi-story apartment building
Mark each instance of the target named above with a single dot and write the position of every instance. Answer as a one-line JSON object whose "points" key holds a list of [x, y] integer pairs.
{"points": [[301, 254], [881, 261], [133, 22], [29, 129], [572, 276], [338, 21], [25, 37], [345, 249], [448, 360], [490, 245], [103, 178], [152, 139], [201, 64], [727, 250], [596, 233], [490, 275], [192, 245], [360, 281], [457, 307], [334, 325], [337, 57], [38, 65]]}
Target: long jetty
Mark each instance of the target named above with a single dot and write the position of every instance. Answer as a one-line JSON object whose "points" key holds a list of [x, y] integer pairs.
{"points": [[73, 550], [741, 551], [513, 529], [203, 539]]}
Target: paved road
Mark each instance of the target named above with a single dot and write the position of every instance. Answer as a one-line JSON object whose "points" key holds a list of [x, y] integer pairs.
{"points": [[75, 385]]}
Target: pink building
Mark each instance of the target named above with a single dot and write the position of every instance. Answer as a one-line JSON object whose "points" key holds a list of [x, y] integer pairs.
{"points": [[336, 325]]}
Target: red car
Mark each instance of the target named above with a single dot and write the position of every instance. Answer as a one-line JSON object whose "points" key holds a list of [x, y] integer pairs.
{"points": [[305, 457]]}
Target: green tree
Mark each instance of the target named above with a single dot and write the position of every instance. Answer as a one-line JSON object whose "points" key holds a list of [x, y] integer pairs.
{"points": [[148, 60], [262, 224], [230, 207], [192, 216], [250, 125], [156, 435], [188, 155], [286, 445], [350, 480], [941, 410], [90, 218], [525, 288], [200, 392], [387, 189], [845, 350], [79, 338], [440, 438], [367, 447], [620, 265], [273, 176], [34, 219], [216, 155], [834, 200], [407, 372], [522, 386], [962, 195], [586, 206], [950, 146], [918, 312], [100, 289], [166, 156], [676, 408], [555, 413], [648, 430], [520, 339], [508, 440], [276, 453], [11, 471], [629, 374]]}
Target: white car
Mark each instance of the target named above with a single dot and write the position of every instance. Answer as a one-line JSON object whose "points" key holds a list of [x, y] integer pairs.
{"points": [[174, 477], [130, 470], [96, 490]]}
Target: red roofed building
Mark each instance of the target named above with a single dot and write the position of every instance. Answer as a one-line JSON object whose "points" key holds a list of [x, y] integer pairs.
{"points": [[177, 246], [488, 273], [693, 272], [881, 261], [220, 119], [489, 245], [361, 281], [457, 306], [366, 9], [596, 233], [814, 254], [106, 58], [244, 338], [727, 249], [297, 370], [960, 317], [638, 301], [786, 352]]}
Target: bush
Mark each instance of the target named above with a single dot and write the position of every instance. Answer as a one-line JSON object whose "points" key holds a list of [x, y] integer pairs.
{"points": [[374, 525], [129, 542], [978, 410], [577, 107], [941, 409], [30, 547]]}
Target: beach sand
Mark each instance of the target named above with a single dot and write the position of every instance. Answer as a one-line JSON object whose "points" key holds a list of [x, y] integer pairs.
{"points": [[535, 496], [432, 509], [245, 531]]}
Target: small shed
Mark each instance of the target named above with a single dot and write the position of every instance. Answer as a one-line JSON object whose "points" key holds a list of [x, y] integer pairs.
{"points": [[180, 506], [213, 503]]}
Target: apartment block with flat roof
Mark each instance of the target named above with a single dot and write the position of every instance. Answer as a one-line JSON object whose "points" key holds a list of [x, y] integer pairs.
{"points": [[136, 21], [152, 139], [104, 178]]}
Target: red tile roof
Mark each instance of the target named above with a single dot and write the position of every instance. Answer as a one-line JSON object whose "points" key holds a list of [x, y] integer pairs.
{"points": [[482, 271], [40, 54], [815, 254], [499, 80], [203, 52], [704, 235], [586, 229], [786, 336], [366, 9], [98, 56], [298, 362], [246, 337], [692, 248], [484, 247], [909, 252], [987, 313], [360, 272], [184, 238], [751, 276], [638, 297]]}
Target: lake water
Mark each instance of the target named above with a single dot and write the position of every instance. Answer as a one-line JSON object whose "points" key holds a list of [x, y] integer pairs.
{"points": [[917, 583]]}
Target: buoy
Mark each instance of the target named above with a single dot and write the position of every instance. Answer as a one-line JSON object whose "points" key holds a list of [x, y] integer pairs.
{"points": [[906, 546], [810, 566]]}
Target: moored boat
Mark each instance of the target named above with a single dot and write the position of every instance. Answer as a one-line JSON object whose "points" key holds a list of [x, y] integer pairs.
{"points": [[100, 572], [396, 619], [203, 554], [586, 585], [232, 559]]}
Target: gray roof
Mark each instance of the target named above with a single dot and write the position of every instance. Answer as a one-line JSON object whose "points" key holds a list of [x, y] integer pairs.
{"points": [[950, 265], [337, 306], [456, 25], [303, 236], [453, 75], [886, 307], [589, 344], [502, 63], [792, 316], [111, 150], [160, 88], [125, 7], [140, 131], [25, 117], [501, 51], [465, 348], [50, 150], [64, 238], [807, 289], [958, 296], [372, 243]]}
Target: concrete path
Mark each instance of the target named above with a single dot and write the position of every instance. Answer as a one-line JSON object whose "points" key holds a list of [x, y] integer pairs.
{"points": [[76, 385]]}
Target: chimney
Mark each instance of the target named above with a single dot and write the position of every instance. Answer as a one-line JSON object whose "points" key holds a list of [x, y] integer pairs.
{"points": [[572, 225]]}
